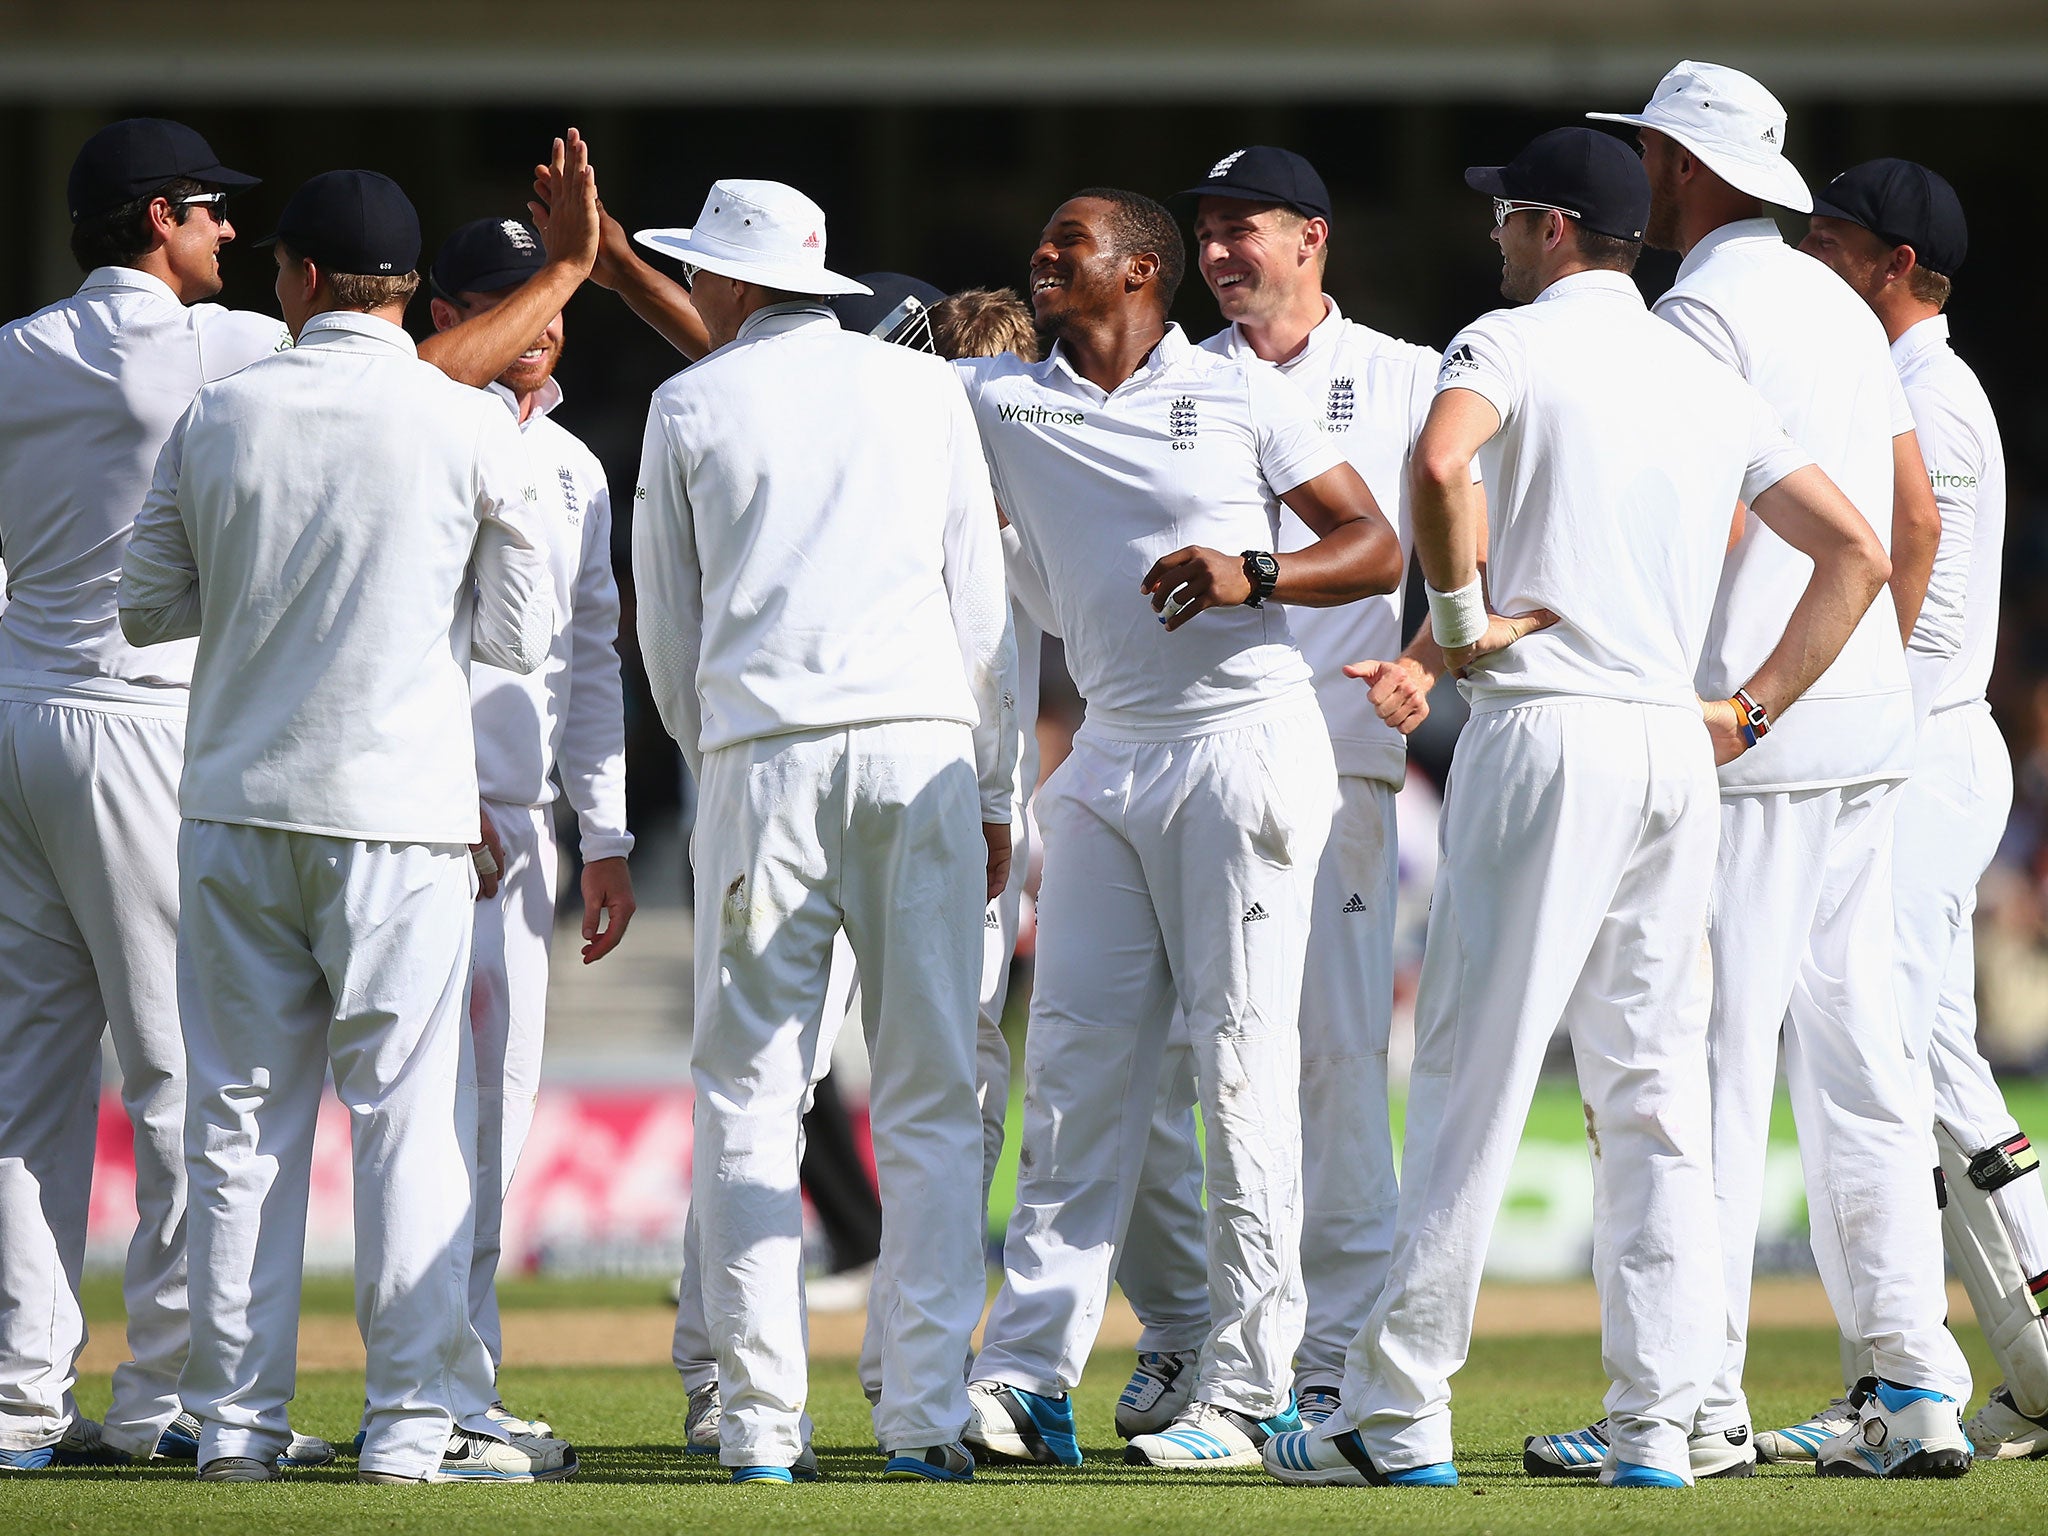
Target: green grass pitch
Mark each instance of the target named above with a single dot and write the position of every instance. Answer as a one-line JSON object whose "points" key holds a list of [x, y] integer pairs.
{"points": [[627, 1425]]}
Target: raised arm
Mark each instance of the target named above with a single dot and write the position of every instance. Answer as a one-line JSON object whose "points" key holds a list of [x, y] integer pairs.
{"points": [[484, 346], [159, 591]]}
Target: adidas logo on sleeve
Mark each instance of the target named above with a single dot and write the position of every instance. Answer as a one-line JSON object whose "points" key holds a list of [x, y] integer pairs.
{"points": [[1255, 913]]}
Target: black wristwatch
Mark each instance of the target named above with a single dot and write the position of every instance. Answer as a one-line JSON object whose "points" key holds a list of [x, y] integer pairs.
{"points": [[1263, 572]]}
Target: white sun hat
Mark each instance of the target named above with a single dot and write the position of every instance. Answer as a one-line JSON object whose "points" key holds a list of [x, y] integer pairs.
{"points": [[756, 232], [1729, 121]]}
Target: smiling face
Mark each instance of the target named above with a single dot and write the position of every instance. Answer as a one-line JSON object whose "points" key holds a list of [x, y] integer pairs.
{"points": [[533, 367], [193, 236], [1077, 273], [1257, 258], [1526, 238]]}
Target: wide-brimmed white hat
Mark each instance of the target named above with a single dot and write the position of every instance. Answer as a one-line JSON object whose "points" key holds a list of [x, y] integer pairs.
{"points": [[1732, 123], [757, 232]]}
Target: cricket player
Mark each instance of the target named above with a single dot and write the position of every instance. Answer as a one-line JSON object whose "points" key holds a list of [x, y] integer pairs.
{"points": [[1801, 930], [342, 527], [821, 612], [1579, 831], [1262, 231], [1895, 232], [91, 742], [1182, 834], [566, 718]]}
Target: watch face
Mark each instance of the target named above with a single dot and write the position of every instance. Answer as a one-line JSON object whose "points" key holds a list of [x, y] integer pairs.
{"points": [[1268, 567]]}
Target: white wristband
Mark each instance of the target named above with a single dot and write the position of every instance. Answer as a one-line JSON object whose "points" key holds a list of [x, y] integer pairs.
{"points": [[1457, 619]]}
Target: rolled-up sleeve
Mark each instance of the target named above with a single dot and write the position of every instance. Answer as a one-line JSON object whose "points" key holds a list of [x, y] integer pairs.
{"points": [[158, 594]]}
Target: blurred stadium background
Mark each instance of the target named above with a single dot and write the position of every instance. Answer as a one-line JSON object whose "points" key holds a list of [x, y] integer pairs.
{"points": [[937, 134]]}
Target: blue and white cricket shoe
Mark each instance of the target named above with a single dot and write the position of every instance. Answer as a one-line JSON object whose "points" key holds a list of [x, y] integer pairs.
{"points": [[701, 1420], [2002, 1432], [474, 1458], [1802, 1441], [1317, 1404], [1306, 1456], [38, 1460], [1158, 1392], [1207, 1436], [1010, 1424], [180, 1442], [1899, 1432], [1584, 1453], [932, 1464]]}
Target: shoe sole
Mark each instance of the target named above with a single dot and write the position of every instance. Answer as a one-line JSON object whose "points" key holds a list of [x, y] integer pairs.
{"points": [[561, 1474], [1922, 1464], [908, 1469], [1133, 1457]]}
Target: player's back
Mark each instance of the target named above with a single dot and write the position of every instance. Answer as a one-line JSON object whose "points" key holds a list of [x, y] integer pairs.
{"points": [[331, 496], [90, 387], [1611, 487], [822, 470], [1813, 349]]}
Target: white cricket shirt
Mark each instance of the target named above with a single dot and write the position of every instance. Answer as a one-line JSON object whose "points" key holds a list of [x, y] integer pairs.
{"points": [[1611, 486], [569, 716], [1816, 352], [1192, 448], [1372, 393], [89, 389], [343, 527], [1951, 649], [815, 545]]}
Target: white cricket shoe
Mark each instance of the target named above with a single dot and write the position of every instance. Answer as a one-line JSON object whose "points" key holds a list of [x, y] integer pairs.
{"points": [[1158, 1392], [1802, 1442], [1011, 1424], [701, 1420], [1206, 1435], [1307, 1456], [474, 1458], [1899, 1432], [1584, 1453], [516, 1427], [2002, 1433]]}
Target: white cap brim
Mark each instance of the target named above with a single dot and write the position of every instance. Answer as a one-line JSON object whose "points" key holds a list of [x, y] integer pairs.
{"points": [[1775, 181], [791, 278]]}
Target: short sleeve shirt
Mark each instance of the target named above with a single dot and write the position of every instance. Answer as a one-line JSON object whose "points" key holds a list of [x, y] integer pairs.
{"points": [[1193, 448]]}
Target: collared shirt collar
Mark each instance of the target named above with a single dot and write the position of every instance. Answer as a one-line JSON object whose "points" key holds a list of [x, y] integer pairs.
{"points": [[1170, 349], [128, 277], [1322, 334], [1923, 336], [546, 399], [775, 318], [1596, 280], [1740, 229], [333, 325]]}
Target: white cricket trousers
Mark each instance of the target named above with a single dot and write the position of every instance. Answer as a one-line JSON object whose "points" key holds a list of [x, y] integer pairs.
{"points": [[508, 997], [874, 828], [1578, 849], [1803, 942], [1952, 813], [1349, 1191], [1173, 869], [88, 943], [297, 951]]}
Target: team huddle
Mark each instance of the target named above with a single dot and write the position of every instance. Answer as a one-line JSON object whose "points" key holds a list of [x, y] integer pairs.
{"points": [[305, 622]]}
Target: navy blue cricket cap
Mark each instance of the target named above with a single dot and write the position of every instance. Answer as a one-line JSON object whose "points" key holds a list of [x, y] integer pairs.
{"points": [[351, 221], [136, 156], [1904, 204], [1593, 174], [487, 255], [1260, 173]]}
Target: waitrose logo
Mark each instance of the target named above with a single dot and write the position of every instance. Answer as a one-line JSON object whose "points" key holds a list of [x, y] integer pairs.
{"points": [[1039, 415]]}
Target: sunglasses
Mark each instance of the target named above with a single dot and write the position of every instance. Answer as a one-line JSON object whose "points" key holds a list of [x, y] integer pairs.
{"points": [[1503, 206], [690, 272]]}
